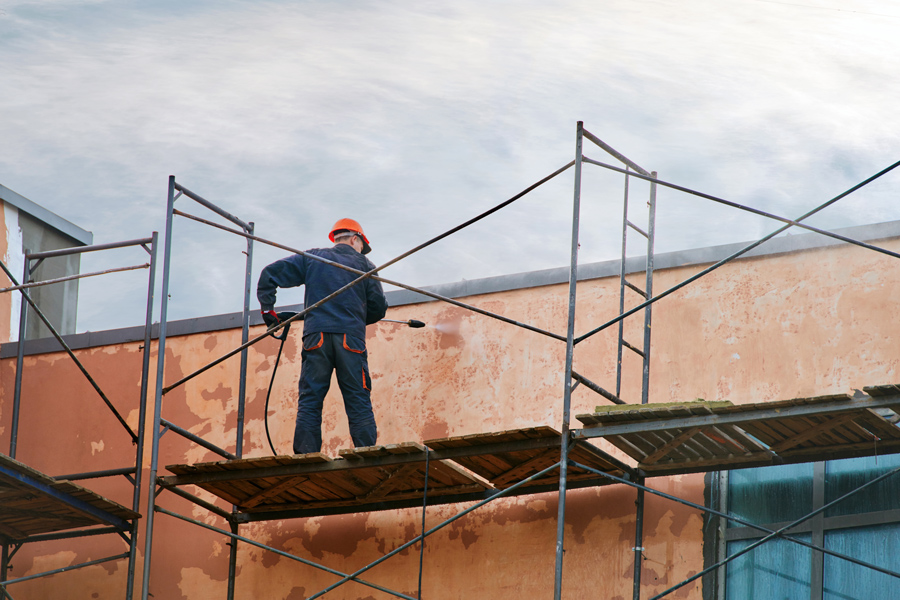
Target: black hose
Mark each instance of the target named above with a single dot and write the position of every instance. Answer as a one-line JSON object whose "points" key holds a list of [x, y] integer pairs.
{"points": [[283, 338]]}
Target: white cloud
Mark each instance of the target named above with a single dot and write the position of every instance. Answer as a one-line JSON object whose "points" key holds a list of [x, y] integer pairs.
{"points": [[414, 117]]}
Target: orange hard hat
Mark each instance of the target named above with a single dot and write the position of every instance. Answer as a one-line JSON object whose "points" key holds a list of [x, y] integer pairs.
{"points": [[352, 226]]}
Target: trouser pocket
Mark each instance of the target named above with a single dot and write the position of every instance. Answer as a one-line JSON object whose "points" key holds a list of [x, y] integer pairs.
{"points": [[313, 341], [354, 344]]}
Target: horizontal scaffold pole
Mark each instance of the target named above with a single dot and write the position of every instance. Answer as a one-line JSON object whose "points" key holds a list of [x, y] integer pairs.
{"points": [[204, 202], [196, 439], [26, 286], [84, 249], [613, 152], [91, 563]]}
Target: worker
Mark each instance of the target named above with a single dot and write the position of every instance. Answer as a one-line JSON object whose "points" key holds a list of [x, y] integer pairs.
{"points": [[334, 334]]}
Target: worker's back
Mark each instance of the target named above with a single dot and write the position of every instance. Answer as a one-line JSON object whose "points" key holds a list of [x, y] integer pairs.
{"points": [[348, 312]]}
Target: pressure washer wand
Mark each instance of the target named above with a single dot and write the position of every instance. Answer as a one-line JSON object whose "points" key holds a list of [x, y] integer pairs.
{"points": [[412, 322]]}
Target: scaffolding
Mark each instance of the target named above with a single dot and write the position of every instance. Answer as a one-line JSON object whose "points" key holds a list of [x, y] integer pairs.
{"points": [[39, 508], [674, 440], [577, 463]]}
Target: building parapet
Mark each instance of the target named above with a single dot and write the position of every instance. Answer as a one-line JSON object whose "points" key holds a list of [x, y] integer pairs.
{"points": [[682, 258]]}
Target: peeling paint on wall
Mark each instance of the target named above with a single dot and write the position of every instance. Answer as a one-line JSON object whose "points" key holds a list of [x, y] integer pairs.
{"points": [[778, 327]]}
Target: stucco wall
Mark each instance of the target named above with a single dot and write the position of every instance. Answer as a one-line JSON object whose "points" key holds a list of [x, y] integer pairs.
{"points": [[781, 326], [9, 239]]}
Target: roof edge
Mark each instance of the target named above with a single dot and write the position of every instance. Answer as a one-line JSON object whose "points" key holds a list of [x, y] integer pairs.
{"points": [[67, 228], [636, 264], [610, 268]]}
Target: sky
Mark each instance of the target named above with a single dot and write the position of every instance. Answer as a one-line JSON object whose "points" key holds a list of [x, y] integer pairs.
{"points": [[412, 117]]}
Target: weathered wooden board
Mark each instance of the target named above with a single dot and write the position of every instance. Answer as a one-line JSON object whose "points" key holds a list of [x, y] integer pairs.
{"points": [[32, 503], [357, 478], [840, 429], [504, 469]]}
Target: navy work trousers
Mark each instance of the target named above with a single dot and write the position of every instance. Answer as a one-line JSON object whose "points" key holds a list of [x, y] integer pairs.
{"points": [[345, 354]]}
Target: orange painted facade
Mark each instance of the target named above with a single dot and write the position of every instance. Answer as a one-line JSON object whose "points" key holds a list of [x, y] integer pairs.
{"points": [[779, 326]]}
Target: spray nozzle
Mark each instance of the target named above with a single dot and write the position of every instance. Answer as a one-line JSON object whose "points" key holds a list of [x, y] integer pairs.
{"points": [[412, 323]]}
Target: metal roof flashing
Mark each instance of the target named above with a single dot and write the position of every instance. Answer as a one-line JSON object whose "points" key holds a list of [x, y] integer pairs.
{"points": [[78, 235], [681, 258]]}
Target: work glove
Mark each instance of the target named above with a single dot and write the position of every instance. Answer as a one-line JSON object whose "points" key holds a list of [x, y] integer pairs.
{"points": [[270, 317]]}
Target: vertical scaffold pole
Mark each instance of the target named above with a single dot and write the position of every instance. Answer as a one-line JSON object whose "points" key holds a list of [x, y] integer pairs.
{"points": [[232, 562], [648, 288], [142, 418], [160, 373], [20, 361], [622, 287], [245, 335], [638, 549], [645, 389], [4, 568], [570, 350], [242, 397]]}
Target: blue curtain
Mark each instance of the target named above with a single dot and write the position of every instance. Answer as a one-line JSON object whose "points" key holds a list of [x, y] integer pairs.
{"points": [[771, 494], [877, 545], [842, 476], [780, 570], [776, 570]]}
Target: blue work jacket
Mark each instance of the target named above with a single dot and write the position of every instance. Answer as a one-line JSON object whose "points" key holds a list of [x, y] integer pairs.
{"points": [[348, 312]]}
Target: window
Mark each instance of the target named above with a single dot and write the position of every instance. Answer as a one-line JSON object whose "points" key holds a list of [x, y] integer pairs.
{"points": [[865, 526]]}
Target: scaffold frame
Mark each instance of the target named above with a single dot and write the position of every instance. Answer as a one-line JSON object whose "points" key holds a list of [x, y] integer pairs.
{"points": [[121, 523], [568, 436]]}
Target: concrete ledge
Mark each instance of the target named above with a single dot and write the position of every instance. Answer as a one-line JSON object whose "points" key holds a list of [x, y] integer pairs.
{"points": [[461, 289]]}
